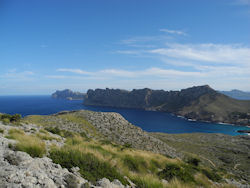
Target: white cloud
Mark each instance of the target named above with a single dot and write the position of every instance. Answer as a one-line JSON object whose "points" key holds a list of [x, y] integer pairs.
{"points": [[153, 72], [77, 71], [177, 32], [129, 52], [217, 53]]}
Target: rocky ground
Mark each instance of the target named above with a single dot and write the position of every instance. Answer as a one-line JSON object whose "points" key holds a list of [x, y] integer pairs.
{"points": [[115, 128], [19, 169], [109, 125]]}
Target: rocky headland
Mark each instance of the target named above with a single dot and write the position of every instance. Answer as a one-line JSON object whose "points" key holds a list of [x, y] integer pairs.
{"points": [[201, 103]]}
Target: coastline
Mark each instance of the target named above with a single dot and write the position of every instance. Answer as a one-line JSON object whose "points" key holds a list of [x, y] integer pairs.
{"points": [[171, 113]]}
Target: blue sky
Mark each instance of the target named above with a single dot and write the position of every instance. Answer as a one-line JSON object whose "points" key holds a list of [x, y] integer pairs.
{"points": [[47, 45]]}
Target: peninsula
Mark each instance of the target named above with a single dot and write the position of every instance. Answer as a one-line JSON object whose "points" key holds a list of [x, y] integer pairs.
{"points": [[201, 103]]}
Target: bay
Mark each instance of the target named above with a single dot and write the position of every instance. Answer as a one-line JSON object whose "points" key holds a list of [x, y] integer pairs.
{"points": [[148, 120]]}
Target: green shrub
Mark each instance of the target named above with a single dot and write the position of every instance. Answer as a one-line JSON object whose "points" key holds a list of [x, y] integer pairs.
{"points": [[90, 166], [11, 118], [135, 164], [54, 130], [154, 165], [83, 134], [1, 131], [33, 150], [171, 171], [145, 183], [127, 145], [15, 118], [193, 161], [212, 175]]}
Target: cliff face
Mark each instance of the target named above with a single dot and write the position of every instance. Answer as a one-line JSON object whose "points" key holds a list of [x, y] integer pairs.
{"points": [[200, 103], [145, 98], [68, 94]]}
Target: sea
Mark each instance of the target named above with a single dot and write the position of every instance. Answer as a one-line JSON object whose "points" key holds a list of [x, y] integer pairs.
{"points": [[151, 121]]}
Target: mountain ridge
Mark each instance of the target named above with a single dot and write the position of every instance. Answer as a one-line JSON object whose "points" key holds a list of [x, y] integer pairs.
{"points": [[199, 103], [237, 94]]}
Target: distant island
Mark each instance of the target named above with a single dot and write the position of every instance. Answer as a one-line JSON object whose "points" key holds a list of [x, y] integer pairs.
{"points": [[201, 103], [68, 94], [237, 94]]}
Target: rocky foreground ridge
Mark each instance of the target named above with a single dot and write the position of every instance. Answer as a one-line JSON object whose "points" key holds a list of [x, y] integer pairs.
{"points": [[199, 103], [96, 149], [19, 169]]}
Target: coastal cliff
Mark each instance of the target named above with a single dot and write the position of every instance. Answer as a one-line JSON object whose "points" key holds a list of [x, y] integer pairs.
{"points": [[199, 103]]}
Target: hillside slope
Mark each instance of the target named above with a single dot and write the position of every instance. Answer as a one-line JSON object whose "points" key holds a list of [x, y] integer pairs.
{"points": [[218, 108], [80, 149], [200, 103], [229, 153]]}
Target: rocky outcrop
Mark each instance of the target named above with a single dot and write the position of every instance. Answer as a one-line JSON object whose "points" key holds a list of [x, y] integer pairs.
{"points": [[115, 128], [68, 94], [199, 103], [109, 126], [19, 169]]}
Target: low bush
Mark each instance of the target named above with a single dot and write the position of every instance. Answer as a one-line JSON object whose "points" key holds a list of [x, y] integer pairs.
{"points": [[136, 164], [154, 165], [54, 130], [90, 166], [193, 161], [7, 118], [212, 175], [180, 172], [146, 182], [1, 131]]}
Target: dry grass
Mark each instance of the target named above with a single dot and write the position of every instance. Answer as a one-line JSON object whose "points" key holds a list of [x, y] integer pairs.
{"points": [[44, 135], [141, 167], [28, 143]]}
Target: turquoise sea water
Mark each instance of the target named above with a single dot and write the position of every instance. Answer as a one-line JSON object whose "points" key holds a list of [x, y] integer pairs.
{"points": [[147, 120]]}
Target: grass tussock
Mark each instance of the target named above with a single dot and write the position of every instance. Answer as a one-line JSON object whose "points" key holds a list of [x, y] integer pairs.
{"points": [[90, 166], [104, 159], [28, 143], [182, 172], [46, 136]]}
